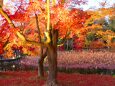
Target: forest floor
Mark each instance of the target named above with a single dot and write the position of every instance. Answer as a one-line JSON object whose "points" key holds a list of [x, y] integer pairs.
{"points": [[68, 60], [29, 78], [74, 59]]}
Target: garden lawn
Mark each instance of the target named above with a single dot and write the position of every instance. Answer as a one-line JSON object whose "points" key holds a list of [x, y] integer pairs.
{"points": [[29, 78]]}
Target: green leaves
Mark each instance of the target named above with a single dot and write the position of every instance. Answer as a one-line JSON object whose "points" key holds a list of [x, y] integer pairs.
{"points": [[91, 36]]}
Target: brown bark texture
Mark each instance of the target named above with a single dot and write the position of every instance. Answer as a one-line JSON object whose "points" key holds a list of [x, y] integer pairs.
{"points": [[52, 59]]}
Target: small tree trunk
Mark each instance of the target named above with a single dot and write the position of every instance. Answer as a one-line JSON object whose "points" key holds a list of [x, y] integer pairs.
{"points": [[1, 2], [42, 54], [40, 63]]}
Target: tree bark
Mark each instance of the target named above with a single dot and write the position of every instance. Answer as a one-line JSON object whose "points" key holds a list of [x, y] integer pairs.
{"points": [[52, 67], [42, 54], [40, 63], [52, 59], [1, 2]]}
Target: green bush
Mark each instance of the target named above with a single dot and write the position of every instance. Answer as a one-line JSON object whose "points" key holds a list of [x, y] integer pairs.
{"points": [[113, 40], [91, 36]]}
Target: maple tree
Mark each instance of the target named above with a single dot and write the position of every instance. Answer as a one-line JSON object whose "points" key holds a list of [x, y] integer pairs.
{"points": [[26, 27], [36, 26], [99, 25]]}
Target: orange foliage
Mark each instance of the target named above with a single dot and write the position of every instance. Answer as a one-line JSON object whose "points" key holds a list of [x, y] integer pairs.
{"points": [[63, 19], [96, 45], [68, 20], [112, 45]]}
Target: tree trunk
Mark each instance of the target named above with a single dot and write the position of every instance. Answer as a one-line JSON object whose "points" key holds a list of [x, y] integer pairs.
{"points": [[42, 54], [1, 2], [40, 62], [52, 60]]}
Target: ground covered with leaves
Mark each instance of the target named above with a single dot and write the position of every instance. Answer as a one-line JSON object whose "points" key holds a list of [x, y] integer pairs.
{"points": [[26, 73], [29, 78], [84, 59]]}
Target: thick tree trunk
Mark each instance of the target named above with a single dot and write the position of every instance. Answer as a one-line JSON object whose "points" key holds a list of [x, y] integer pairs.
{"points": [[52, 59]]}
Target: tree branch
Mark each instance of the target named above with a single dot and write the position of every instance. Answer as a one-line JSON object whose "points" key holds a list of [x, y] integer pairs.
{"points": [[5, 15], [35, 43], [21, 36], [48, 14], [37, 24]]}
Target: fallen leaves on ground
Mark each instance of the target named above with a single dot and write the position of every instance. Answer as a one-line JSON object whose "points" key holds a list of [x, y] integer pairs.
{"points": [[29, 78]]}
